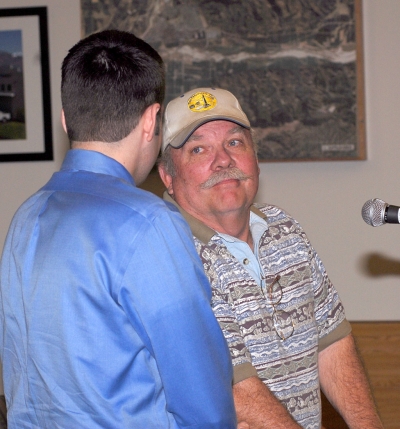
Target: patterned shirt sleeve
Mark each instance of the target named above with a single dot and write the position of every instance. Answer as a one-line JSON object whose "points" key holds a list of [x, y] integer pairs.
{"points": [[329, 311], [222, 306]]}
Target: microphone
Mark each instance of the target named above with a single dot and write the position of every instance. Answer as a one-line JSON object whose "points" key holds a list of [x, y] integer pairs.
{"points": [[376, 212]]}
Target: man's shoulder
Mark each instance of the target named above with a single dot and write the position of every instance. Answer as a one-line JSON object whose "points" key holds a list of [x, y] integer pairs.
{"points": [[107, 192], [142, 204], [272, 213]]}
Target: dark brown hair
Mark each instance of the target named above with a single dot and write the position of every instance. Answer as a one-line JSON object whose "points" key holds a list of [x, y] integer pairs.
{"points": [[108, 81]]}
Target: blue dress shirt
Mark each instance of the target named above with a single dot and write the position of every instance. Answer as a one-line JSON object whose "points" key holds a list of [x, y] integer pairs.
{"points": [[105, 310]]}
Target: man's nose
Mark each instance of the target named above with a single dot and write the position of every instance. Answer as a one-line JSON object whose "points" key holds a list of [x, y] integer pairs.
{"points": [[223, 159]]}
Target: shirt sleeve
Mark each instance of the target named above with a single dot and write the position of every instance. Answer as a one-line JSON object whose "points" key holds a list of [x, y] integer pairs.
{"points": [[227, 319], [167, 294], [329, 311]]}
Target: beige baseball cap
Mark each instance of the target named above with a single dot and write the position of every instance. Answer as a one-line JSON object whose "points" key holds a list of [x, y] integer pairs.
{"points": [[186, 113]]}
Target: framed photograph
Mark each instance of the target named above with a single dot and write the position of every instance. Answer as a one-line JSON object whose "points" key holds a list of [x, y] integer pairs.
{"points": [[25, 109], [296, 66]]}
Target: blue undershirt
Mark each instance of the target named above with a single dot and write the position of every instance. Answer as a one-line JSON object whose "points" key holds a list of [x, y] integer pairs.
{"points": [[242, 251]]}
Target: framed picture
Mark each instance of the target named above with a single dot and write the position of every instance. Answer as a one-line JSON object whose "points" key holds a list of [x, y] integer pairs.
{"points": [[25, 109], [296, 66]]}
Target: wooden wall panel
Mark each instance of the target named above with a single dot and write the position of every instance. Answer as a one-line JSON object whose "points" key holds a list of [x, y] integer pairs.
{"points": [[379, 347]]}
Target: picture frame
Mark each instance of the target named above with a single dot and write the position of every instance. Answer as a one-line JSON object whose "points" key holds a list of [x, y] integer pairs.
{"points": [[25, 99], [296, 67]]}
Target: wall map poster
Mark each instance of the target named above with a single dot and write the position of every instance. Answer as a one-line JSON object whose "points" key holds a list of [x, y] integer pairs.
{"points": [[295, 65]]}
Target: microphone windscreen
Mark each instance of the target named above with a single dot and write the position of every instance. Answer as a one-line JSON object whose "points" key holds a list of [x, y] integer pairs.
{"points": [[373, 212]]}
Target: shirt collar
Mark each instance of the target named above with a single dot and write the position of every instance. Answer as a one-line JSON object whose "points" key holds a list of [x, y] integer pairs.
{"points": [[258, 225], [201, 231], [95, 162]]}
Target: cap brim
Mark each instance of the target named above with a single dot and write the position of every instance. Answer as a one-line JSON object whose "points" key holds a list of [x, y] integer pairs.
{"points": [[182, 137]]}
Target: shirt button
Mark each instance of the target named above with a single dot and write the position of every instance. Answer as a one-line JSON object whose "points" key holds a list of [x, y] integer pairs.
{"points": [[246, 261]]}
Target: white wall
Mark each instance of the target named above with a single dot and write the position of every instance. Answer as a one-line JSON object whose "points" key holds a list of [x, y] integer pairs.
{"points": [[327, 197], [18, 180]]}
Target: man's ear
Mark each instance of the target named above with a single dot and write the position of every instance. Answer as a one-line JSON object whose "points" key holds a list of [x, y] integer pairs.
{"points": [[166, 178], [150, 121], [63, 121]]}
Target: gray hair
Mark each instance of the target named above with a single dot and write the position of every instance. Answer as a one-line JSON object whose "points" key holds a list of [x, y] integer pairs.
{"points": [[166, 161]]}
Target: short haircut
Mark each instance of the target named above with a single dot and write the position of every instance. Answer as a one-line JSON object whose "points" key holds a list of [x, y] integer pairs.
{"points": [[108, 81]]}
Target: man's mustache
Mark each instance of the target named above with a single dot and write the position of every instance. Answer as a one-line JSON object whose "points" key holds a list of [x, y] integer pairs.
{"points": [[219, 176]]}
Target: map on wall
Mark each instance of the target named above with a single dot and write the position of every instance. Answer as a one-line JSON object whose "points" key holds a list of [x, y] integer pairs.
{"points": [[293, 64]]}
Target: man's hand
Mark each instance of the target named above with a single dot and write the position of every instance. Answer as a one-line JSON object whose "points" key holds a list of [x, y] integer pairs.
{"points": [[257, 408], [345, 384]]}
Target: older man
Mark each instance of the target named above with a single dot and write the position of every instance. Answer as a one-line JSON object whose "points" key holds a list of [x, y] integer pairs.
{"points": [[283, 320]]}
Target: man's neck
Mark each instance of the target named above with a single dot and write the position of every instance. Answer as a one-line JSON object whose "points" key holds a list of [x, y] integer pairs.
{"points": [[122, 151], [235, 223]]}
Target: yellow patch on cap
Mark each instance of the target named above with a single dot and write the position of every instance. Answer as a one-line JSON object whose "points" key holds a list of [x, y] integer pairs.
{"points": [[201, 101]]}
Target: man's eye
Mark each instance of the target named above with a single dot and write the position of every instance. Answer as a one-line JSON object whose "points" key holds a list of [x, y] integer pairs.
{"points": [[196, 149], [234, 143]]}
